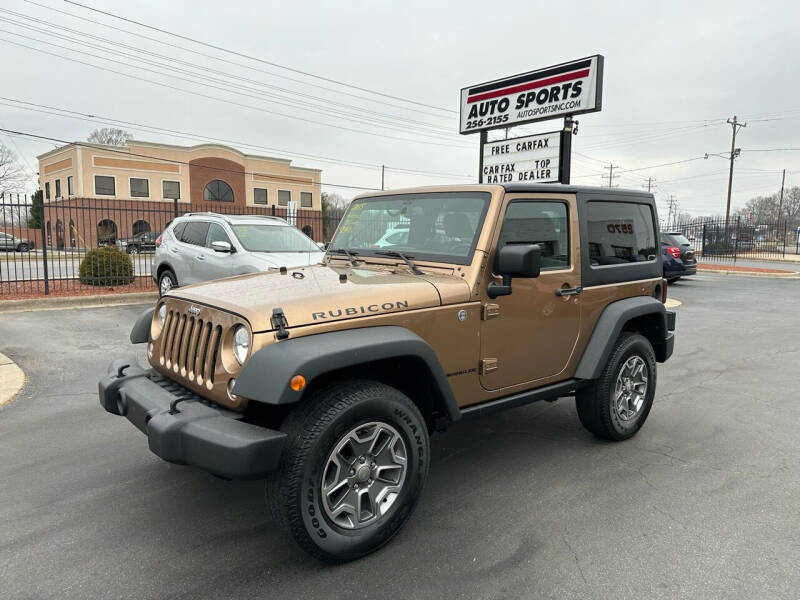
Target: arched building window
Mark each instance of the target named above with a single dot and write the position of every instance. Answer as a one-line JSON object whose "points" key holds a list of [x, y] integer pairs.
{"points": [[140, 227], [60, 234], [218, 191], [106, 232]]}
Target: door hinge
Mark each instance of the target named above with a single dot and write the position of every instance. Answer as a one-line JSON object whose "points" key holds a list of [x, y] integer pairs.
{"points": [[490, 311], [488, 365]]}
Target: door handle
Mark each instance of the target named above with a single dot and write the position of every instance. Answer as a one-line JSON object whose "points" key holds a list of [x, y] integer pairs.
{"points": [[568, 291], [200, 257]]}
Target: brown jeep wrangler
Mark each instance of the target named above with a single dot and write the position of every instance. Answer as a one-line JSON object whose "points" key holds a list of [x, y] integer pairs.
{"points": [[431, 305]]}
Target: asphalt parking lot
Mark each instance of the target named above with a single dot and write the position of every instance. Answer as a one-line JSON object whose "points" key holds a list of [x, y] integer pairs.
{"points": [[703, 502]]}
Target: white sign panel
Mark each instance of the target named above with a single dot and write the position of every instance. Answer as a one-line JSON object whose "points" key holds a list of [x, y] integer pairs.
{"points": [[532, 158], [568, 89]]}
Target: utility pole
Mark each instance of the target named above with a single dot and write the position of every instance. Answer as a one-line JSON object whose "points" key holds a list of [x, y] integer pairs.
{"points": [[650, 182], [672, 205], [611, 168], [735, 126], [780, 204], [383, 172]]}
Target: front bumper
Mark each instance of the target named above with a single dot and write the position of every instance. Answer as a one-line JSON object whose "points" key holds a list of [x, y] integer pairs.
{"points": [[196, 432]]}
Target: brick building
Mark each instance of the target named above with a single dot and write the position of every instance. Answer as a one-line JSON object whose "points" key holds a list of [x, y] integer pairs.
{"points": [[96, 194]]}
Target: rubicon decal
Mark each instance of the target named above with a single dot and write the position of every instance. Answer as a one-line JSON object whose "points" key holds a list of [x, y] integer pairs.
{"points": [[567, 89], [352, 311]]}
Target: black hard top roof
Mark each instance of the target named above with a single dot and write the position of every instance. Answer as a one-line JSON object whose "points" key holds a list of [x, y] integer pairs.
{"points": [[573, 189]]}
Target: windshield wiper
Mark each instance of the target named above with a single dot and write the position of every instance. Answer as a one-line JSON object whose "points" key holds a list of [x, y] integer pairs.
{"points": [[350, 254], [406, 258]]}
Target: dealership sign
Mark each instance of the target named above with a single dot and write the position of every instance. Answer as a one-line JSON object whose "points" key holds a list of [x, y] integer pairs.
{"points": [[567, 89], [533, 158]]}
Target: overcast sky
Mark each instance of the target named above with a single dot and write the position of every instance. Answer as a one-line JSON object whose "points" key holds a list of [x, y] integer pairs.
{"points": [[674, 71]]}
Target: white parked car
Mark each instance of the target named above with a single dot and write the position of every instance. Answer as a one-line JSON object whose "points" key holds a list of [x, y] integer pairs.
{"points": [[203, 246]]}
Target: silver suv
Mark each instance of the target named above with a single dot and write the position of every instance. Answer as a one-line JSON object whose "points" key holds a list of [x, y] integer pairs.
{"points": [[203, 246]]}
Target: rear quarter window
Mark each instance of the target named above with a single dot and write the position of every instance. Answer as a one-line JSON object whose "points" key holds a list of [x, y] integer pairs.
{"points": [[620, 233]]}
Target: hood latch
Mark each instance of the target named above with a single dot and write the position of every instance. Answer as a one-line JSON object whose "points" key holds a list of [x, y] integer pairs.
{"points": [[279, 323]]}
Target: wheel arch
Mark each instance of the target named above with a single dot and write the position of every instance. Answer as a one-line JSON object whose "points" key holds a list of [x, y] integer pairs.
{"points": [[641, 314], [389, 354]]}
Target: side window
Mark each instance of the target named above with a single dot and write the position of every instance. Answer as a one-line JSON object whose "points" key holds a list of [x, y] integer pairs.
{"points": [[195, 233], [620, 233], [216, 233], [177, 231], [543, 223]]}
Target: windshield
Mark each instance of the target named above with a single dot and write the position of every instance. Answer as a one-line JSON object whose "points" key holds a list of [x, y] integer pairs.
{"points": [[441, 226], [273, 238]]}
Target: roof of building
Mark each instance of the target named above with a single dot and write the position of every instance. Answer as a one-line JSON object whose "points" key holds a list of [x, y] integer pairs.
{"points": [[196, 147]]}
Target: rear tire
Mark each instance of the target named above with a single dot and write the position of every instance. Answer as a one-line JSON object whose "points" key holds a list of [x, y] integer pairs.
{"points": [[354, 465], [166, 281], [23, 248], [616, 404], [133, 249]]}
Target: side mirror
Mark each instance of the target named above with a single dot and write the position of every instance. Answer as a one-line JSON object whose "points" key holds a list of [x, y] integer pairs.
{"points": [[515, 260], [322, 246], [222, 247]]}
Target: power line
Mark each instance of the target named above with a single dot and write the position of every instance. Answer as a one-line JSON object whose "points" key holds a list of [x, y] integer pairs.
{"points": [[261, 60], [177, 162], [231, 62], [236, 103], [330, 112], [217, 73], [88, 117]]}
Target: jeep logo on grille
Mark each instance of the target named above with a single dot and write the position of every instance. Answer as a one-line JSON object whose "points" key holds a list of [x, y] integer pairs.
{"points": [[195, 310]]}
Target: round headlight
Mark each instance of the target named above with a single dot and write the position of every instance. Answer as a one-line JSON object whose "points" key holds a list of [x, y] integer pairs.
{"points": [[162, 314], [241, 343]]}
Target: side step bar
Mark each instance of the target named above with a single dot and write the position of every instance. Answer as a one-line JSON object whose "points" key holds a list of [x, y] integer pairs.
{"points": [[550, 392]]}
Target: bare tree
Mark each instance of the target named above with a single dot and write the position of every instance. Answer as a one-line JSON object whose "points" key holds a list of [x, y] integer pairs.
{"points": [[109, 136], [12, 175]]}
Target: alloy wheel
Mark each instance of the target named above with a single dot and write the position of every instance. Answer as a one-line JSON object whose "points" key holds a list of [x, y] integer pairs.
{"points": [[363, 475], [631, 388]]}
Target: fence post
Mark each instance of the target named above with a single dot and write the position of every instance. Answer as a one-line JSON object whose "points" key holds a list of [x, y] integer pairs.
{"points": [[703, 249], [273, 210], [785, 227], [44, 251], [175, 206], [736, 245]]}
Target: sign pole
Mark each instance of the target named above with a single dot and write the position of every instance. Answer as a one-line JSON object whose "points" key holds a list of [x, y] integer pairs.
{"points": [[484, 139], [565, 154]]}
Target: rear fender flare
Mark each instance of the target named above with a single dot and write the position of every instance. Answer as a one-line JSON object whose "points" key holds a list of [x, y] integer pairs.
{"points": [[610, 324]]}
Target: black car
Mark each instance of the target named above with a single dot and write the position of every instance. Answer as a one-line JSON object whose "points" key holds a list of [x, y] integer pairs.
{"points": [[678, 256], [141, 242]]}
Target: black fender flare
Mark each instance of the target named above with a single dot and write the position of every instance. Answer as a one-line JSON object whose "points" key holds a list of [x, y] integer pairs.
{"points": [[266, 375], [608, 327], [141, 329]]}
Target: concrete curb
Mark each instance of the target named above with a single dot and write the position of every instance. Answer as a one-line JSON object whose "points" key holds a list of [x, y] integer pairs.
{"points": [[793, 275], [65, 302], [11, 379]]}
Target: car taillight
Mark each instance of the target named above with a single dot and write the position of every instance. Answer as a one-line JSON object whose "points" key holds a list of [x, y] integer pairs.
{"points": [[158, 242], [674, 251]]}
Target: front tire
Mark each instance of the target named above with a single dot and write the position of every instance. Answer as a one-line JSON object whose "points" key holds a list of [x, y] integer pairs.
{"points": [[23, 248], [354, 465], [133, 249], [616, 405], [166, 281]]}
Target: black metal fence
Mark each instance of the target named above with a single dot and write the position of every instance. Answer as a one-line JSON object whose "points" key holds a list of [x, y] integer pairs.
{"points": [[738, 238], [42, 246]]}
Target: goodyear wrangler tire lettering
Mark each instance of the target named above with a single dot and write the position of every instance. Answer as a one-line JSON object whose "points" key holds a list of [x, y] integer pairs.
{"points": [[316, 431]]}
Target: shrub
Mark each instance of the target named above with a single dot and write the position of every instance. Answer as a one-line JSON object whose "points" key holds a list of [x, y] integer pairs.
{"points": [[106, 266]]}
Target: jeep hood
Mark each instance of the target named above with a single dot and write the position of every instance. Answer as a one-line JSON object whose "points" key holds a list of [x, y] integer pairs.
{"points": [[321, 294]]}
